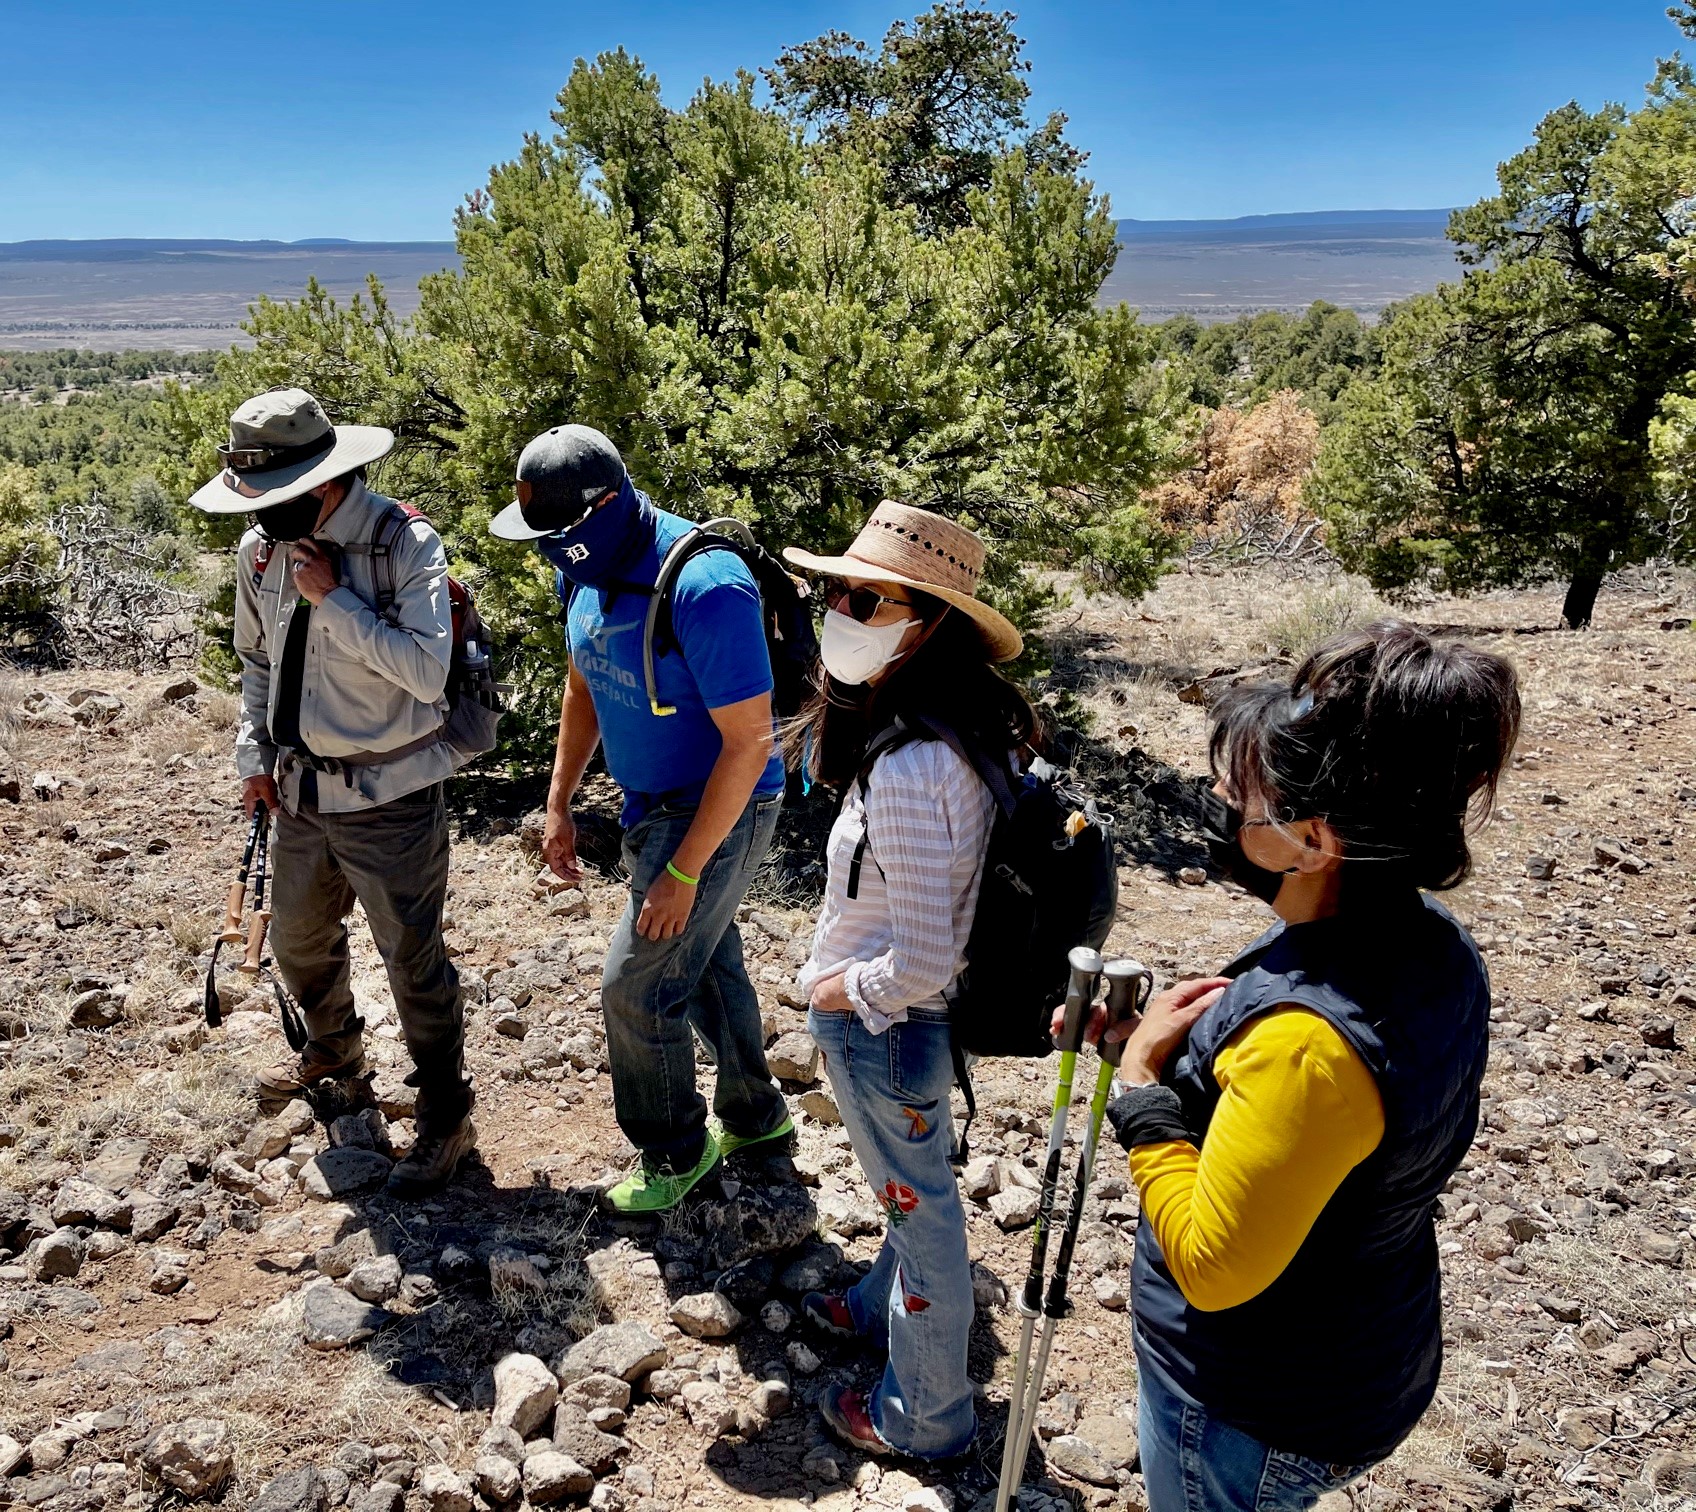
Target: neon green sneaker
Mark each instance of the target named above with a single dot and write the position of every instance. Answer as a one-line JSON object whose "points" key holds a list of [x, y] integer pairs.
{"points": [[648, 1189], [729, 1144]]}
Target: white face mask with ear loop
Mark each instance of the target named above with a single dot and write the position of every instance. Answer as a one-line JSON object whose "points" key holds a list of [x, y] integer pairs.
{"points": [[854, 653]]}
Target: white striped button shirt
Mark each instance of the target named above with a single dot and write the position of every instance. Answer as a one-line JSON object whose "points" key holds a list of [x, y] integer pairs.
{"points": [[903, 937]]}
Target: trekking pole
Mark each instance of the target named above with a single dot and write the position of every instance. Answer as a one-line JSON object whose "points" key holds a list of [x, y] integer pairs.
{"points": [[1085, 966], [231, 933], [1129, 984], [294, 1025], [261, 919]]}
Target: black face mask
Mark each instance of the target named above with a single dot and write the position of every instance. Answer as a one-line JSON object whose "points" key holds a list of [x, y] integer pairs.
{"points": [[291, 520], [1222, 826]]}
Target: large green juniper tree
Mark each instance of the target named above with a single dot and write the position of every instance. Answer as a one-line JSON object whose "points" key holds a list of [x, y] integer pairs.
{"points": [[774, 311], [1507, 436]]}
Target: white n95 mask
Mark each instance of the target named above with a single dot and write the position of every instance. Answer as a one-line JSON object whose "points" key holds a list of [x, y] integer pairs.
{"points": [[854, 653]]}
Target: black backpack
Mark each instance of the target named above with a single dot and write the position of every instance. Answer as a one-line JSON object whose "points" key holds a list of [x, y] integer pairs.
{"points": [[1049, 883], [791, 642], [790, 639]]}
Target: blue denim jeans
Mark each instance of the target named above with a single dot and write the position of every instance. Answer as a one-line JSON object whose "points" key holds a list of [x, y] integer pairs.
{"points": [[653, 992], [1192, 1462], [916, 1301]]}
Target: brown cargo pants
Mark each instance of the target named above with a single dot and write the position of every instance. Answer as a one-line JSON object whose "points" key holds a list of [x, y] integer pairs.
{"points": [[394, 860]]}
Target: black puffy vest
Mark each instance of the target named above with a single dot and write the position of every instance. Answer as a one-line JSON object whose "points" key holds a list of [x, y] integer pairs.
{"points": [[1338, 1358]]}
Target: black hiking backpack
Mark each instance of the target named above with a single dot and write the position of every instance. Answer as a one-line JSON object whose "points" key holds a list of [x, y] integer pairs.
{"points": [[791, 642], [1049, 883]]}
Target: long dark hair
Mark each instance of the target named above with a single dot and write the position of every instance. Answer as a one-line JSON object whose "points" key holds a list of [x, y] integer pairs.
{"points": [[949, 680], [1394, 739]]}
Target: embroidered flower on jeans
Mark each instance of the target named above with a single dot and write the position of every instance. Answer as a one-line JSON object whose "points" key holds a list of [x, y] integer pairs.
{"points": [[897, 1200]]}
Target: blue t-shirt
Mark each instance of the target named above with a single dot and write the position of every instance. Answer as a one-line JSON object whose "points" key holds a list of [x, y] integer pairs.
{"points": [[717, 621]]}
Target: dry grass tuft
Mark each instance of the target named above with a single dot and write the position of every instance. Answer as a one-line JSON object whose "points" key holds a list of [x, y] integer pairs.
{"points": [[280, 1398], [569, 1300], [11, 714], [1598, 1267], [220, 711], [93, 899], [197, 1100], [1319, 613]]}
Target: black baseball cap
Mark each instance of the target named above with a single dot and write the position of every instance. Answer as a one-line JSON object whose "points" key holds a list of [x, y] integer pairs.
{"points": [[562, 475]]}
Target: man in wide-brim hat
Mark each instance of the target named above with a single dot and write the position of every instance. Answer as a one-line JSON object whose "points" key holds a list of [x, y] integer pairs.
{"points": [[345, 651]]}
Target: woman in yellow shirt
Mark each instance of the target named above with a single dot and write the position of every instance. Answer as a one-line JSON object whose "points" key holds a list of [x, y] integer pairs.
{"points": [[1291, 1123]]}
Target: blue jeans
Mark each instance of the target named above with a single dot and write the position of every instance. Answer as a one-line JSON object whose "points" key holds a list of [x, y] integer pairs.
{"points": [[916, 1301], [1192, 1462], [654, 991]]}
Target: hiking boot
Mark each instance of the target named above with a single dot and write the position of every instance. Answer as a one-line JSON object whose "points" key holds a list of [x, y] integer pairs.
{"points": [[651, 1188], [297, 1076], [830, 1313], [730, 1144], [432, 1160], [847, 1413]]}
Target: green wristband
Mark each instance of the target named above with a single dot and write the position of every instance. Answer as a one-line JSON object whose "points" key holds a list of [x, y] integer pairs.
{"points": [[682, 877]]}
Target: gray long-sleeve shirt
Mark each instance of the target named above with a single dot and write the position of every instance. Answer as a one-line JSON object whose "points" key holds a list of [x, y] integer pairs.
{"points": [[367, 685]]}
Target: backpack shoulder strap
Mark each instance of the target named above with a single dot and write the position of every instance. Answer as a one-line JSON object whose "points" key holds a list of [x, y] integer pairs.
{"points": [[995, 775], [391, 525], [726, 534], [890, 737]]}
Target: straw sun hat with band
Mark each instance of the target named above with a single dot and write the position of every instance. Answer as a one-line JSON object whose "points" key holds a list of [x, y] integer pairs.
{"points": [[914, 548], [281, 447]]}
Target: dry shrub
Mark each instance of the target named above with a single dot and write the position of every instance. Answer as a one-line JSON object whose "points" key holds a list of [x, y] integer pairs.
{"points": [[1316, 614], [222, 711], [11, 714], [1250, 466]]}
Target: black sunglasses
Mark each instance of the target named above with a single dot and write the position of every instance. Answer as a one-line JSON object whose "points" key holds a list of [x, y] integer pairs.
{"points": [[857, 603]]}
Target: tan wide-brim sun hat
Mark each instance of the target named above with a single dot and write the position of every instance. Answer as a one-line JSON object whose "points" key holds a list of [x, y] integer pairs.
{"points": [[282, 445], [914, 548]]}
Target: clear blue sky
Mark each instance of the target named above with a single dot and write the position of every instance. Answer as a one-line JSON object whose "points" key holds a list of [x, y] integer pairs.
{"points": [[371, 119]]}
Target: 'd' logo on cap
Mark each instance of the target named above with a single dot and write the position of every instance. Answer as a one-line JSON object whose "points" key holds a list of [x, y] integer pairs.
{"points": [[577, 552]]}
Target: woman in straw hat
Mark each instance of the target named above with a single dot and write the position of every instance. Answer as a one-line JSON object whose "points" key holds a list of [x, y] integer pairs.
{"points": [[908, 648]]}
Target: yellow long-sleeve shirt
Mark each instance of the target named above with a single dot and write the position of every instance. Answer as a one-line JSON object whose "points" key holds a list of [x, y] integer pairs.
{"points": [[1298, 1110]]}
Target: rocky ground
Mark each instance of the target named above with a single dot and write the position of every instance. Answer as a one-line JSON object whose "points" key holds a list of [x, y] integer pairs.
{"points": [[201, 1304]]}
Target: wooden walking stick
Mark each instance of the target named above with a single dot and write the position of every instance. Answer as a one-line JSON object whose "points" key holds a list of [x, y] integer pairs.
{"points": [[261, 919], [232, 932]]}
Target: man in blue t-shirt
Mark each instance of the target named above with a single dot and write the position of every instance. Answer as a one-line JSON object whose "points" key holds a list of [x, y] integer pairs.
{"points": [[702, 787]]}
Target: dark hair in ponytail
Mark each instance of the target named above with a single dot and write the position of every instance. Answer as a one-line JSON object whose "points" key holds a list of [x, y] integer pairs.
{"points": [[948, 680], [1394, 739]]}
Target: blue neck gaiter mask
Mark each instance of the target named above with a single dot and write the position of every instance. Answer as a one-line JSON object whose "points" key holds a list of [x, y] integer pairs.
{"points": [[601, 549]]}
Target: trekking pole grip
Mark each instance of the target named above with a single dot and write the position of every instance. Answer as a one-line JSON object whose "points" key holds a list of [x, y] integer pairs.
{"points": [[1129, 986], [1084, 966]]}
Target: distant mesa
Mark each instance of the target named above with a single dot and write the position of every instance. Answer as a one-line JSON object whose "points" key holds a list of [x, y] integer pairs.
{"points": [[191, 293], [178, 249], [1432, 222]]}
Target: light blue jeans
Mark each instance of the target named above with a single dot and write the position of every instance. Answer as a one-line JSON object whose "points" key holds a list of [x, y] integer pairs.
{"points": [[1192, 1462], [916, 1300], [654, 992]]}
